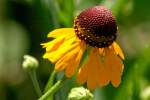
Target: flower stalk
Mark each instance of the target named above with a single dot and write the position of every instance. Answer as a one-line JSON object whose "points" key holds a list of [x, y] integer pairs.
{"points": [[50, 84], [50, 81], [33, 77], [53, 89], [30, 64]]}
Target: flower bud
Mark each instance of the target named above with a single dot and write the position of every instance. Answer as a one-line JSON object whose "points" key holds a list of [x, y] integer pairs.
{"points": [[30, 62], [80, 93]]}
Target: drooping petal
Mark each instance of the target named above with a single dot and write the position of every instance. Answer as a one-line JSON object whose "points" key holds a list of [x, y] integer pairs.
{"points": [[53, 45], [71, 60], [113, 65], [69, 42], [118, 50], [90, 75], [88, 72], [116, 78], [60, 32], [58, 42], [74, 62], [63, 49], [56, 48], [93, 70], [82, 74], [81, 51], [70, 69], [50, 43], [64, 60], [103, 76]]}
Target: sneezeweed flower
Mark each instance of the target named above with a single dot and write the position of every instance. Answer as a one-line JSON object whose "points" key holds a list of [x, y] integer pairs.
{"points": [[88, 50]]}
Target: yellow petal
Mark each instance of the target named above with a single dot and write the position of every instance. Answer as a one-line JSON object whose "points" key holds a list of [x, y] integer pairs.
{"points": [[70, 70], [62, 31], [118, 50], [103, 76], [66, 58], [74, 62], [63, 43], [82, 74], [54, 45], [56, 55], [92, 79], [116, 78], [64, 47], [82, 47], [69, 42], [114, 66]]}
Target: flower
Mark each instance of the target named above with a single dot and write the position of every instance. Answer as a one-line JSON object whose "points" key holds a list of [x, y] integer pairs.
{"points": [[88, 50]]}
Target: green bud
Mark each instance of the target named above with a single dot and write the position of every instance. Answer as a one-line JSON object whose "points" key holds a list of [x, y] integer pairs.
{"points": [[30, 62], [80, 93]]}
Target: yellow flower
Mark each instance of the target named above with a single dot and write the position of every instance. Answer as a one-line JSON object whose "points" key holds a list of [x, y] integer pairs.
{"points": [[88, 50]]}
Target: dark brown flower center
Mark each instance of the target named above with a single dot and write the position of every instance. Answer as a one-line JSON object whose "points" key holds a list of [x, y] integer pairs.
{"points": [[96, 26]]}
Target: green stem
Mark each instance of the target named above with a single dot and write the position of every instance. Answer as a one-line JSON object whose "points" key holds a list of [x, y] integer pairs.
{"points": [[50, 84], [50, 81], [53, 89], [35, 82]]}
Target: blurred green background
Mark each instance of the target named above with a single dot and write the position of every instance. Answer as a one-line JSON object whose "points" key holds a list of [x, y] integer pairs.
{"points": [[24, 24]]}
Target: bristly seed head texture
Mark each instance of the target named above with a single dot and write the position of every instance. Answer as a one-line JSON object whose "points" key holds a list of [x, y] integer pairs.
{"points": [[96, 26]]}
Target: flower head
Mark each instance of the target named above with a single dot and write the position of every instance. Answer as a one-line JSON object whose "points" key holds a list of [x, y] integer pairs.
{"points": [[96, 26], [88, 50]]}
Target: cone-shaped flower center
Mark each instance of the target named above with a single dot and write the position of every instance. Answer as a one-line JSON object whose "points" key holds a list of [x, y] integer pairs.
{"points": [[96, 26]]}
